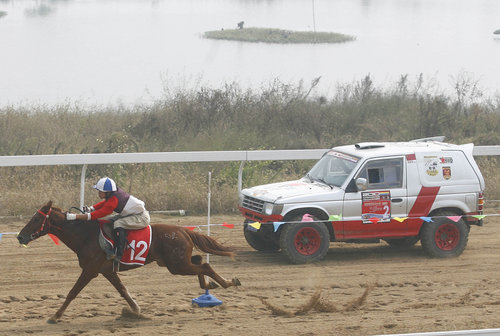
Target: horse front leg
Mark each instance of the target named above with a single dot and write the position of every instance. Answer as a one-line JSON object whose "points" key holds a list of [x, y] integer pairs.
{"points": [[117, 283], [82, 281]]}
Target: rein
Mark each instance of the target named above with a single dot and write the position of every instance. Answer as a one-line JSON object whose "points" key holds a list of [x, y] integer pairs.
{"points": [[42, 230]]}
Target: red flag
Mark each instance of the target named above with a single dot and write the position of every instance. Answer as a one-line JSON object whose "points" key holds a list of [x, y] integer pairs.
{"points": [[54, 238], [190, 227], [228, 225]]}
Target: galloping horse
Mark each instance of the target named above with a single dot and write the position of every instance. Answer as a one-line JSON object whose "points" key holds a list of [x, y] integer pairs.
{"points": [[171, 246]]}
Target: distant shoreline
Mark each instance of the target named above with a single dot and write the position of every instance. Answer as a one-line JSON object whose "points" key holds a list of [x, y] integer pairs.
{"points": [[273, 35]]}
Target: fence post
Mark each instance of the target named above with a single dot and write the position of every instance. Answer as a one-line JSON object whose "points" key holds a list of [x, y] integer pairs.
{"points": [[240, 176], [82, 186]]}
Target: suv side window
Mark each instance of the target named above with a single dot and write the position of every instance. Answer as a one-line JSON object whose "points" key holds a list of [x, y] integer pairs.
{"points": [[383, 174]]}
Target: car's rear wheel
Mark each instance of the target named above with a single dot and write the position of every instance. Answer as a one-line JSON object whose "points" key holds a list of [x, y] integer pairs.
{"points": [[443, 237], [304, 242]]}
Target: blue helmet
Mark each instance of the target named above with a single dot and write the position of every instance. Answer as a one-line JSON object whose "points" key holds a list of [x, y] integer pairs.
{"points": [[105, 184]]}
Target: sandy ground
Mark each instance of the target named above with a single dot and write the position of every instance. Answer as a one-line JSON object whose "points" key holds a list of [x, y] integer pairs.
{"points": [[357, 290]]}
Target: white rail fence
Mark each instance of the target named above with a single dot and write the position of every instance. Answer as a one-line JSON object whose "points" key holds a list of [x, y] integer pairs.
{"points": [[164, 157]]}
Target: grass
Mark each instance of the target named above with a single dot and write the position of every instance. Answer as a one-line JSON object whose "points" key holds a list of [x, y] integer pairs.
{"points": [[273, 35], [277, 116]]}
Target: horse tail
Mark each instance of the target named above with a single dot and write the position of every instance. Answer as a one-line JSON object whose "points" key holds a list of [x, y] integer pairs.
{"points": [[208, 244]]}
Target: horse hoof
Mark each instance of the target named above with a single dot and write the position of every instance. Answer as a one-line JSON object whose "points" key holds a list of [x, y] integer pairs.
{"points": [[52, 321], [130, 314], [236, 282]]}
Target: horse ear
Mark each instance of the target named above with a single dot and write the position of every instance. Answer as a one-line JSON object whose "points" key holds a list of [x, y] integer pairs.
{"points": [[49, 204]]}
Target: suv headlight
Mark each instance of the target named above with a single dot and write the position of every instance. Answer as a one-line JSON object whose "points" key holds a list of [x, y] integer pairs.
{"points": [[272, 209]]}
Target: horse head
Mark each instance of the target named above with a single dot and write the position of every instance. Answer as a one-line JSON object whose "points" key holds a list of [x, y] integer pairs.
{"points": [[44, 219]]}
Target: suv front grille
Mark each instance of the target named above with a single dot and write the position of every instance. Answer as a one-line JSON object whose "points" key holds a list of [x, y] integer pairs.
{"points": [[253, 204]]}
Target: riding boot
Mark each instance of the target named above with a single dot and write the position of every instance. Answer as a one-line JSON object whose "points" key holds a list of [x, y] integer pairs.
{"points": [[120, 243]]}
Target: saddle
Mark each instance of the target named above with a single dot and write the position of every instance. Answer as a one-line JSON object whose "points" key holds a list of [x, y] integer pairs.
{"points": [[136, 249]]}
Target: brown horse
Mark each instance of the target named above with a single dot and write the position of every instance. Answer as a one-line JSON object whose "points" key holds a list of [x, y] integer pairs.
{"points": [[171, 246]]}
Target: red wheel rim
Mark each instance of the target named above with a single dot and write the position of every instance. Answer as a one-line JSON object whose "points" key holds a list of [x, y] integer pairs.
{"points": [[447, 237], [307, 241]]}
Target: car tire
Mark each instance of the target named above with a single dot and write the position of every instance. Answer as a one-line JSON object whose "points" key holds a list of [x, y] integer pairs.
{"points": [[304, 242], [443, 237], [261, 240]]}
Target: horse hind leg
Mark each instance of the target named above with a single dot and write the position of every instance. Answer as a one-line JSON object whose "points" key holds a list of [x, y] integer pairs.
{"points": [[209, 271], [196, 260], [193, 266], [205, 269], [176, 256]]}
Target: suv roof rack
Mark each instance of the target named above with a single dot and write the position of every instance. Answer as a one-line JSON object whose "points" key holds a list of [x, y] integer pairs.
{"points": [[369, 145], [439, 138]]}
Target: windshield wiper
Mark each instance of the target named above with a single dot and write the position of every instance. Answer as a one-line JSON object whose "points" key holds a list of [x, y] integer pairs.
{"points": [[324, 182]]}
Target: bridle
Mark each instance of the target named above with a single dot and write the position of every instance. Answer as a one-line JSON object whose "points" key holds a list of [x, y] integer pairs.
{"points": [[41, 231]]}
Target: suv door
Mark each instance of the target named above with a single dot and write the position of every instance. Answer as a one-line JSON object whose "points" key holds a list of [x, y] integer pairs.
{"points": [[369, 213]]}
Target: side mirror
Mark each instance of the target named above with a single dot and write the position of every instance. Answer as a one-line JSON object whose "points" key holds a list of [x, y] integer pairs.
{"points": [[361, 184]]}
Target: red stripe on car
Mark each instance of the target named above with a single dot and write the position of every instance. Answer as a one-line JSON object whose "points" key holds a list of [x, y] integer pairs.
{"points": [[422, 207], [424, 202]]}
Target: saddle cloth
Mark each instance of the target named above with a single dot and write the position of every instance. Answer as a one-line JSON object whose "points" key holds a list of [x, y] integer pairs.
{"points": [[138, 243]]}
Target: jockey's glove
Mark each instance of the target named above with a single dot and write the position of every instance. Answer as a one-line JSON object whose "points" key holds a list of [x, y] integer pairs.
{"points": [[87, 209]]}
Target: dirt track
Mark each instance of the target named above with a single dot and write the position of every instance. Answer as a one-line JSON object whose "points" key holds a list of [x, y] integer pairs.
{"points": [[404, 290]]}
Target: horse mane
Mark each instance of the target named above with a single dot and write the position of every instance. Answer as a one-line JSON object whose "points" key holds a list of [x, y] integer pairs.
{"points": [[83, 226]]}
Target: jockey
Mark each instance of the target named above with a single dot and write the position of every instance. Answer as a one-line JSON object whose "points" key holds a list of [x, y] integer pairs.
{"points": [[131, 213]]}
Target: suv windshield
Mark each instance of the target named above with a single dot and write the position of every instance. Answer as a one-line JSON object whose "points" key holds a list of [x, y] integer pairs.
{"points": [[333, 168]]}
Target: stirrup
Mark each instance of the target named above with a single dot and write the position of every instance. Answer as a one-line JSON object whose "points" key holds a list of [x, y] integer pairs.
{"points": [[116, 265], [115, 260], [120, 251]]}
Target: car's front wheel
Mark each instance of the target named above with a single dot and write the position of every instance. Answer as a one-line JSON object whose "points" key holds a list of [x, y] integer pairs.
{"points": [[262, 240], [304, 242]]}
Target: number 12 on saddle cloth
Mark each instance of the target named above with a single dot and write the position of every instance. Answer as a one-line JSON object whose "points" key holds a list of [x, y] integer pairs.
{"points": [[137, 249]]}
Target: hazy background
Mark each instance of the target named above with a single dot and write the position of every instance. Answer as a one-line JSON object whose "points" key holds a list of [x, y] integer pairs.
{"points": [[129, 51]]}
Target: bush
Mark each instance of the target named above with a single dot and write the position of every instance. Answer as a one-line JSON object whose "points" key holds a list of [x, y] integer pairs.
{"points": [[278, 116]]}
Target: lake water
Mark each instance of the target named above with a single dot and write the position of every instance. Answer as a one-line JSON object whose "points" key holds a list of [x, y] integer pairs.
{"points": [[130, 51]]}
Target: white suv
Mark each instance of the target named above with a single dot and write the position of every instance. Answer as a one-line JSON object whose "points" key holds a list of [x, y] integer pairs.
{"points": [[401, 192]]}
